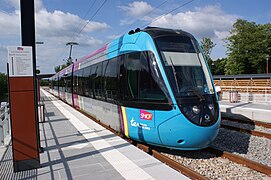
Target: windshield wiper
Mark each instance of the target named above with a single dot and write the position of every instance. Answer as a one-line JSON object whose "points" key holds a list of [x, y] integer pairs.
{"points": [[197, 93], [175, 75]]}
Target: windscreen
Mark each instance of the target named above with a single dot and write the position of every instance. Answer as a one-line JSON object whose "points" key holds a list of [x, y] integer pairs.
{"points": [[185, 66]]}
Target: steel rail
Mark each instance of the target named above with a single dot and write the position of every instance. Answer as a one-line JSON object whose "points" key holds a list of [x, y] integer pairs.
{"points": [[251, 122], [252, 132], [240, 160]]}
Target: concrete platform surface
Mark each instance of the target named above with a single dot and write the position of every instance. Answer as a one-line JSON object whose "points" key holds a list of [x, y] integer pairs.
{"points": [[246, 110], [77, 148]]}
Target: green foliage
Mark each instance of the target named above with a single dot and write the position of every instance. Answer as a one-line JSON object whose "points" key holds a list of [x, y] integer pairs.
{"points": [[69, 61], [60, 67], [219, 66], [207, 45], [44, 82], [3, 86], [248, 45]]}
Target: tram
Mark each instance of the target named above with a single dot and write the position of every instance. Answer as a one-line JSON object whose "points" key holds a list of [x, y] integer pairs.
{"points": [[152, 85]]}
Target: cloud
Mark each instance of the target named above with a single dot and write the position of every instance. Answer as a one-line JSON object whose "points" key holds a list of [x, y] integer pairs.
{"points": [[137, 8], [55, 29], [209, 21], [135, 11], [89, 41], [9, 24], [112, 37], [221, 34], [58, 23]]}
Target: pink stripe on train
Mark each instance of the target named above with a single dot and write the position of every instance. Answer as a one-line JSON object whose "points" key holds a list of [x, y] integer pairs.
{"points": [[102, 49]]}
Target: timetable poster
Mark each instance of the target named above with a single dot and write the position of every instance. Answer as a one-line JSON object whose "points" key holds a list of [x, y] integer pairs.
{"points": [[20, 61]]}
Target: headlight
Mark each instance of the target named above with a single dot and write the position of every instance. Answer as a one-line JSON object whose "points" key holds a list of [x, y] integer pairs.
{"points": [[211, 106], [196, 109]]}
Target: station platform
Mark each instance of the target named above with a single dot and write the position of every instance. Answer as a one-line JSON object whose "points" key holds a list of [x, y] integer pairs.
{"points": [[75, 147], [246, 111]]}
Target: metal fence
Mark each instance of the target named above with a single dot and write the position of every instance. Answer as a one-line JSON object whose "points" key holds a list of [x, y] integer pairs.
{"points": [[41, 110], [5, 129]]}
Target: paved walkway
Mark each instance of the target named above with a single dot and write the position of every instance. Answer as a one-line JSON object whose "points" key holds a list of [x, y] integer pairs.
{"points": [[247, 110], [77, 148]]}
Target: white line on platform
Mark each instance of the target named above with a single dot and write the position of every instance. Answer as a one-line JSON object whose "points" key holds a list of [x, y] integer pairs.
{"points": [[121, 163], [244, 108]]}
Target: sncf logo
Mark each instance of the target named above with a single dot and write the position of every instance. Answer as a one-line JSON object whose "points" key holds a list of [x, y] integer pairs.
{"points": [[145, 115]]}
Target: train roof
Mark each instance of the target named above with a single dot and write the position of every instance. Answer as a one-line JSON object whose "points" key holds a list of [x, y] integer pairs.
{"points": [[157, 31], [131, 36]]}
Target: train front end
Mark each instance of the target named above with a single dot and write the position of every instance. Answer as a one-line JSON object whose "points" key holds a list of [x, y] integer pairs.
{"points": [[194, 120]]}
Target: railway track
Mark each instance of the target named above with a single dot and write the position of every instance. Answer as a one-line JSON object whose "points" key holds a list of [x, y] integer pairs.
{"points": [[201, 163], [251, 127], [190, 163], [257, 123], [210, 163]]}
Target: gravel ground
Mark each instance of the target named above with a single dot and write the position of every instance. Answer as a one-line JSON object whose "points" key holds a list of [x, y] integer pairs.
{"points": [[251, 147], [213, 167], [247, 126]]}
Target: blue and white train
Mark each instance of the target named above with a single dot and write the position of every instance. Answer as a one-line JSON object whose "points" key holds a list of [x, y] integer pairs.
{"points": [[152, 85]]}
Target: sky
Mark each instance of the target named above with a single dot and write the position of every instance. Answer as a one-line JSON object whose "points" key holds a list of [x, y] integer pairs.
{"points": [[93, 23]]}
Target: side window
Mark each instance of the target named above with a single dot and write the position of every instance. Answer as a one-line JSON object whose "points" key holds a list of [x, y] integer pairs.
{"points": [[92, 82], [97, 80], [111, 79], [61, 83], [75, 82], [132, 66], [86, 81], [149, 80], [57, 83], [141, 81], [83, 82], [68, 82], [80, 82]]}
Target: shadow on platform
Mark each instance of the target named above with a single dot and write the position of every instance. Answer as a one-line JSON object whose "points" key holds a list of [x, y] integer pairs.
{"points": [[6, 168]]}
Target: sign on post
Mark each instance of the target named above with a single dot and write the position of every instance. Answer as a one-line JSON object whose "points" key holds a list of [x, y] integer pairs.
{"points": [[20, 61]]}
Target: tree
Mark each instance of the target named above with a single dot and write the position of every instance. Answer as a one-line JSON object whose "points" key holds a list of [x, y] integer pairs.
{"points": [[219, 66], [60, 67], [207, 45], [69, 61], [44, 82], [247, 46], [3, 86]]}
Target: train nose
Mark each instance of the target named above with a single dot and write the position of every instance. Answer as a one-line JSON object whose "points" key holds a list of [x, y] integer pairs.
{"points": [[179, 133]]}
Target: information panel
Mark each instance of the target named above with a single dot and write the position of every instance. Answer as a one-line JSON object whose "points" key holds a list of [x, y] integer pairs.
{"points": [[20, 61]]}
